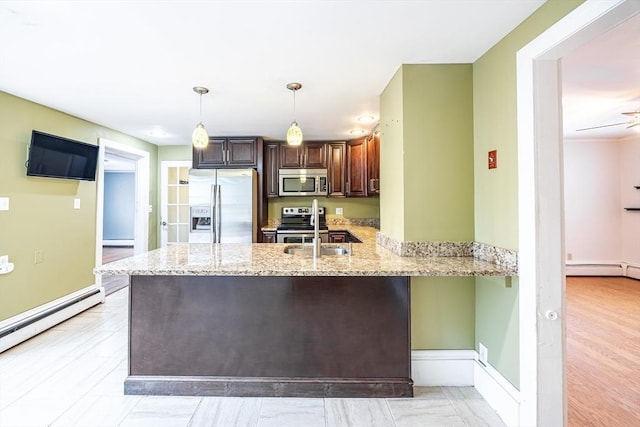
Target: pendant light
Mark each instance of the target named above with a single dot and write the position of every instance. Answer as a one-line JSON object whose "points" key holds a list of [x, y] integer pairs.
{"points": [[200, 138], [294, 134]]}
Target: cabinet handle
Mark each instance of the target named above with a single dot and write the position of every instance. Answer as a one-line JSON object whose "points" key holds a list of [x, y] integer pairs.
{"points": [[348, 187], [371, 185]]}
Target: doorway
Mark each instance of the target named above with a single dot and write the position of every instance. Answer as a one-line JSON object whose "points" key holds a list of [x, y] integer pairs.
{"points": [[541, 207], [133, 237], [174, 201]]}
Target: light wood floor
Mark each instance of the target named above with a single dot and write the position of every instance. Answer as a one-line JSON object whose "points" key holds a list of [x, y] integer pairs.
{"points": [[73, 374], [603, 351]]}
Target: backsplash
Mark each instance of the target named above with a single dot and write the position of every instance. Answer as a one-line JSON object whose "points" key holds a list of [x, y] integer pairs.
{"points": [[482, 251]]}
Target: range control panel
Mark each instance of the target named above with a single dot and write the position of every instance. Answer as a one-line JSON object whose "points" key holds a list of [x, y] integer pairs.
{"points": [[300, 211]]}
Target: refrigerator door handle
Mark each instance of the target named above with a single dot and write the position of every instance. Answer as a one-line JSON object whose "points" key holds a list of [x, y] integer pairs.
{"points": [[218, 213], [212, 213]]}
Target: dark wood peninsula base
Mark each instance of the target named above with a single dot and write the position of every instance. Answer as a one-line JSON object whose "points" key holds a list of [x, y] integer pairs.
{"points": [[267, 336]]}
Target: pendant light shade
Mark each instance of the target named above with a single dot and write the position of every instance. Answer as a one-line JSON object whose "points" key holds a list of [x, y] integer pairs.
{"points": [[294, 134], [199, 137]]}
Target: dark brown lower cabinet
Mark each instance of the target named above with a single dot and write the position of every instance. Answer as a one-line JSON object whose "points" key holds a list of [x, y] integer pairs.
{"points": [[269, 336]]}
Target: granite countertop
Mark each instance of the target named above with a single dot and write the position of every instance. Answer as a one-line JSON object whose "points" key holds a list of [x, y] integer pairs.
{"points": [[269, 259]]}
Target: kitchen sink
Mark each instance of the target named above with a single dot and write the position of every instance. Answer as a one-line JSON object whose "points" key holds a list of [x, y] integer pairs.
{"points": [[308, 250]]}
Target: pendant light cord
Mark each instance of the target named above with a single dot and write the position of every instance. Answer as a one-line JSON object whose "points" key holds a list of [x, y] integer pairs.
{"points": [[294, 105]]}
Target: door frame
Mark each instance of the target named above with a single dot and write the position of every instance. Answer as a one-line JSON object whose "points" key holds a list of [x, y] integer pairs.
{"points": [[142, 179], [541, 206]]}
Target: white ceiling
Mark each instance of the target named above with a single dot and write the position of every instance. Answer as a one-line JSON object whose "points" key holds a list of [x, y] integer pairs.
{"points": [[601, 80], [131, 65]]}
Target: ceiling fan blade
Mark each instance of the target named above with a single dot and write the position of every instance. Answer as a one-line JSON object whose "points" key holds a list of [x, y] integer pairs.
{"points": [[603, 126]]}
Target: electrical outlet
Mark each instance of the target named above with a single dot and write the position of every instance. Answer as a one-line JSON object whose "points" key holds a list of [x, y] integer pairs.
{"points": [[483, 354], [339, 211], [38, 257], [76, 203], [569, 256], [4, 203]]}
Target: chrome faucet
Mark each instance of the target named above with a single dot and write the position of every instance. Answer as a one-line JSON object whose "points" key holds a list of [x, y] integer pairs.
{"points": [[315, 221]]}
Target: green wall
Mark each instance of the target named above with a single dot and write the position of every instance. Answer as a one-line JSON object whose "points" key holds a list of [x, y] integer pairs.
{"points": [[496, 190], [41, 216], [426, 122], [392, 158], [438, 152]]}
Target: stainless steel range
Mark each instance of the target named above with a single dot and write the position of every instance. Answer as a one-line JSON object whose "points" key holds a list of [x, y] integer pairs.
{"points": [[296, 225]]}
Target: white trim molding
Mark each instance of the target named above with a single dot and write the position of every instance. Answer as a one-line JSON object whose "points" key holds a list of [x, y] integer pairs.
{"points": [[461, 368], [430, 368], [499, 393], [23, 326]]}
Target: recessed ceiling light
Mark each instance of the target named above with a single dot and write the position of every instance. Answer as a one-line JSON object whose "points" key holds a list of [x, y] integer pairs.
{"points": [[356, 132], [366, 119], [157, 132]]}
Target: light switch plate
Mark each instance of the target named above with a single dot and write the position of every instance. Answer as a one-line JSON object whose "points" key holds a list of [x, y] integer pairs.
{"points": [[4, 203], [76, 203]]}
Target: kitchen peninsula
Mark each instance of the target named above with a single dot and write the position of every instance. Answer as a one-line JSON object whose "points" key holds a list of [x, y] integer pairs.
{"points": [[250, 320]]}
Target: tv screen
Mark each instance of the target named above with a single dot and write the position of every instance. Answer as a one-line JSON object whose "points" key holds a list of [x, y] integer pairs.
{"points": [[56, 157]]}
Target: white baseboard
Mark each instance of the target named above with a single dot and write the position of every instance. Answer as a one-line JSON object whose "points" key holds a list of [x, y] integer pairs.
{"points": [[499, 393], [442, 367], [430, 368], [117, 243], [34, 321], [631, 270]]}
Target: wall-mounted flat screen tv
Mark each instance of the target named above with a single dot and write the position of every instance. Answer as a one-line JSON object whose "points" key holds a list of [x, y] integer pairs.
{"points": [[56, 157]]}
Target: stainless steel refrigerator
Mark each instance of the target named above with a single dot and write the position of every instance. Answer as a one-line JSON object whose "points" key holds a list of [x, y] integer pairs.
{"points": [[223, 205]]}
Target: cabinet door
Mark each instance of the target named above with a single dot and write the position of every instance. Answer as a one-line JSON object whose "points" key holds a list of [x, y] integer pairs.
{"points": [[268, 237], [373, 165], [336, 169], [337, 237], [210, 157], [271, 154], [241, 152], [314, 156], [290, 156], [356, 168]]}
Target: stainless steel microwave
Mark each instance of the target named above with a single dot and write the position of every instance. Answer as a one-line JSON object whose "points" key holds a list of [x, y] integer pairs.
{"points": [[302, 182]]}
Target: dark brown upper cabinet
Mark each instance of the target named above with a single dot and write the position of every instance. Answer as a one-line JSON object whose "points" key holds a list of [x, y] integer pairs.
{"points": [[308, 155], [271, 158], [373, 165], [336, 169], [227, 152], [357, 168]]}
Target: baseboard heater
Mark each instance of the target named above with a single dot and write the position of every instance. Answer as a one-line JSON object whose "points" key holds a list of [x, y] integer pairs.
{"points": [[20, 328], [576, 268]]}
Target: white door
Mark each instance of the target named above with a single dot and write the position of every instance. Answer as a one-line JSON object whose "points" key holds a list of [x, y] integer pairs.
{"points": [[174, 202]]}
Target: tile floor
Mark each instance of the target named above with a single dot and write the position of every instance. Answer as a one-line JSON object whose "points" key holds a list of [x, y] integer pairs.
{"points": [[72, 375]]}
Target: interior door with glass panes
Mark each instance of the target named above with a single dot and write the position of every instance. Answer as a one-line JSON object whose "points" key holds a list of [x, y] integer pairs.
{"points": [[174, 202]]}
